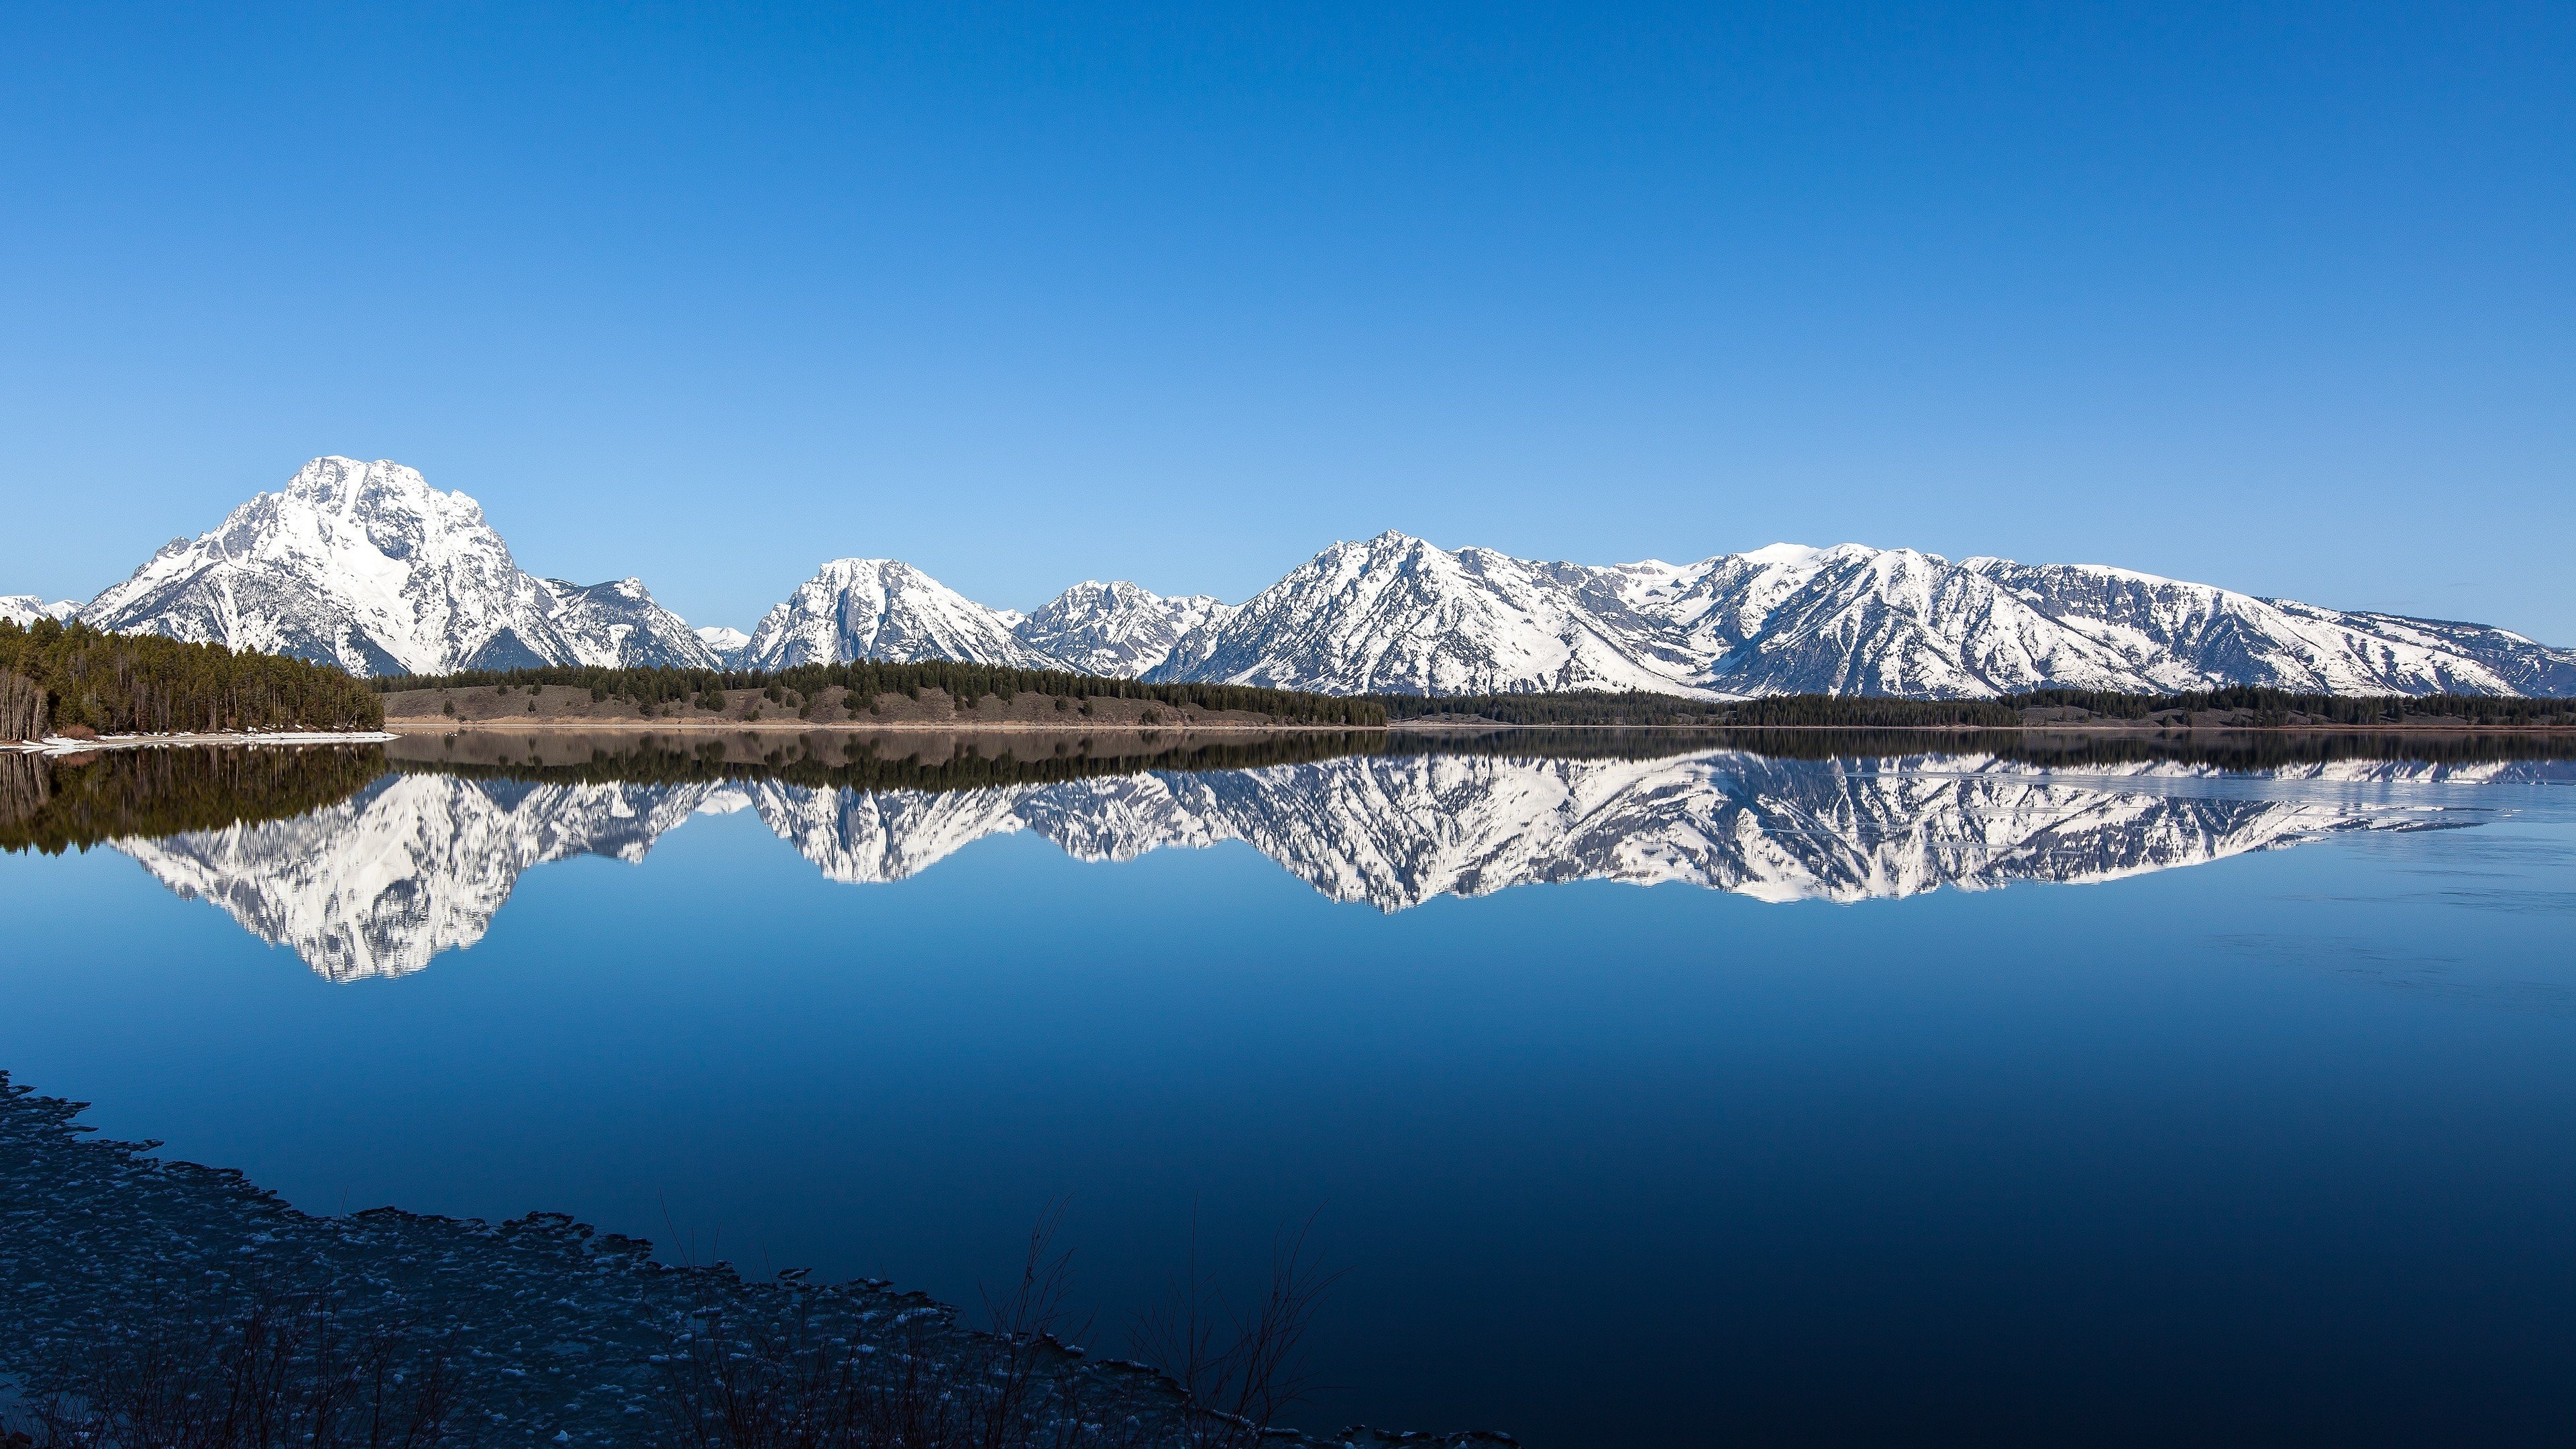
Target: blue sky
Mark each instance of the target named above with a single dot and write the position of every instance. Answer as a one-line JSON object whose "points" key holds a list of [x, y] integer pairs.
{"points": [[2274, 297]]}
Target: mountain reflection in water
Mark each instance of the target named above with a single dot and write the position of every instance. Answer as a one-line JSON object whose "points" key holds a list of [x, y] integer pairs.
{"points": [[379, 864]]}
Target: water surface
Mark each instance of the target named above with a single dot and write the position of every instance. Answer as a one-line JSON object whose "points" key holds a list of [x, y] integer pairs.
{"points": [[1652, 1088]]}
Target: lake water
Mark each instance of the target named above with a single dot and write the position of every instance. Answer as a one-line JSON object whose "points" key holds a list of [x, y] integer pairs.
{"points": [[1654, 1089]]}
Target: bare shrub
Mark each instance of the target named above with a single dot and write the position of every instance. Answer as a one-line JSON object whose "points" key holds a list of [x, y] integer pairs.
{"points": [[919, 1382], [1241, 1367], [280, 1371], [1026, 1321], [918, 1385]]}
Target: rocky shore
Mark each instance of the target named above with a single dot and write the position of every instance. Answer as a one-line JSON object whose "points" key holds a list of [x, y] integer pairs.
{"points": [[539, 1330]]}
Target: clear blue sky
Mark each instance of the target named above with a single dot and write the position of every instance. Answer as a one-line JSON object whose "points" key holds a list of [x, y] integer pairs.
{"points": [[2274, 297]]}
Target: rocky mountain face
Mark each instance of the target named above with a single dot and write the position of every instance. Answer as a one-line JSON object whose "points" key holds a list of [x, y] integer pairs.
{"points": [[24, 610], [870, 608], [1395, 614], [1116, 629], [366, 566], [419, 864], [619, 625]]}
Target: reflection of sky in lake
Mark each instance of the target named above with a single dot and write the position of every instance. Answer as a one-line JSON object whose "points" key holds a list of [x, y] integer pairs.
{"points": [[2271, 1147]]}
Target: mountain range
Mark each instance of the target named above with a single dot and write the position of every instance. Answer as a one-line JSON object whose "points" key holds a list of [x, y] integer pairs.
{"points": [[24, 610], [367, 566], [420, 863]]}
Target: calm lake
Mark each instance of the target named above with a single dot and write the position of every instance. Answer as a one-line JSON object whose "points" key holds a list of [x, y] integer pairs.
{"points": [[1651, 1088]]}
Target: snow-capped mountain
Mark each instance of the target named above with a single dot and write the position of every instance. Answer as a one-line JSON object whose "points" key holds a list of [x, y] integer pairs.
{"points": [[25, 609], [418, 864], [724, 643], [366, 566], [2226, 635], [1396, 614], [874, 608], [1116, 629], [618, 625]]}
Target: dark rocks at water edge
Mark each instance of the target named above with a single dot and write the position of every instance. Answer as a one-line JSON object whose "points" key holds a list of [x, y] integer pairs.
{"points": [[549, 1332]]}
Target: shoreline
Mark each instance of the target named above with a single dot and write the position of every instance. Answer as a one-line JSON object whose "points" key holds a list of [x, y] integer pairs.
{"points": [[69, 745], [416, 727], [550, 1331], [58, 746]]}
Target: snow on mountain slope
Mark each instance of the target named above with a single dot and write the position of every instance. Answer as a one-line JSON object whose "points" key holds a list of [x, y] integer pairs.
{"points": [[724, 643], [869, 608], [617, 625], [25, 609], [2192, 636], [1116, 629], [1397, 615], [1856, 620], [366, 566]]}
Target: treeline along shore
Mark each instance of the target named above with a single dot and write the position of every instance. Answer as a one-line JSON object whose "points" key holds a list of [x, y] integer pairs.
{"points": [[72, 803], [70, 679], [870, 692], [2242, 707], [949, 695]]}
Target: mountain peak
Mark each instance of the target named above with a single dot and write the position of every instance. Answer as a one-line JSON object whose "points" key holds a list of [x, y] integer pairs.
{"points": [[1399, 615], [25, 609], [868, 608], [1117, 628], [1780, 553], [366, 566], [346, 485]]}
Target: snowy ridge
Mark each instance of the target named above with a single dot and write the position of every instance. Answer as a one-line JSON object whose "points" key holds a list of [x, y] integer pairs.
{"points": [[725, 644], [618, 625], [1396, 614], [1116, 629], [873, 608], [24, 610], [415, 865], [366, 566]]}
